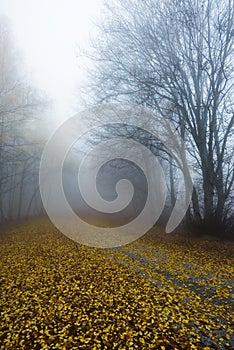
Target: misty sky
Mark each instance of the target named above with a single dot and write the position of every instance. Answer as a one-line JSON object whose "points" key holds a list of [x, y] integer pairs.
{"points": [[48, 34]]}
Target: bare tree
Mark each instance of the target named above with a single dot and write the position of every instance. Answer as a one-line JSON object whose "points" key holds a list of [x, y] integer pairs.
{"points": [[176, 57]]}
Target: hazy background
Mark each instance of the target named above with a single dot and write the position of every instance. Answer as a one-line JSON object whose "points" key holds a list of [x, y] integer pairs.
{"points": [[49, 34]]}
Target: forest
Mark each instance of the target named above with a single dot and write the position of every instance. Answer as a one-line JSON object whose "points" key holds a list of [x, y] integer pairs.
{"points": [[117, 225]]}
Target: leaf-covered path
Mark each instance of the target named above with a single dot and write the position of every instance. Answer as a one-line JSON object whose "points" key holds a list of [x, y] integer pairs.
{"points": [[160, 292]]}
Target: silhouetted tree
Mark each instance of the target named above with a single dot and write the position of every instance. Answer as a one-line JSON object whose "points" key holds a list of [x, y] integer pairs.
{"points": [[176, 57]]}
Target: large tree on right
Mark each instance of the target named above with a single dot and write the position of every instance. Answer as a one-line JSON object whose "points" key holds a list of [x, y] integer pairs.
{"points": [[176, 56]]}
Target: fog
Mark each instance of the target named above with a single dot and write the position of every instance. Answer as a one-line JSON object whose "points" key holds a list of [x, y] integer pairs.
{"points": [[42, 43], [48, 36], [55, 61]]}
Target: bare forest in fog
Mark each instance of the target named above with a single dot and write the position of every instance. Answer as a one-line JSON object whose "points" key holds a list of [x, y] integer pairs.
{"points": [[22, 134], [117, 220], [175, 57]]}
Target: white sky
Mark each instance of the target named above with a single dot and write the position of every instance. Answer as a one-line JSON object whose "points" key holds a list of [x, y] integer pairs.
{"points": [[47, 34]]}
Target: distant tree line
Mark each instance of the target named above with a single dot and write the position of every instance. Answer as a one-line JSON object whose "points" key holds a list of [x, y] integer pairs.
{"points": [[21, 111]]}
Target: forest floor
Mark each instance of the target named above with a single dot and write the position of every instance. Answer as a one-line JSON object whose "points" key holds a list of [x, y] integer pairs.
{"points": [[163, 291]]}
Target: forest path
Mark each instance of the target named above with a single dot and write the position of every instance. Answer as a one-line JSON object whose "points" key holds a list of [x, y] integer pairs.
{"points": [[159, 292]]}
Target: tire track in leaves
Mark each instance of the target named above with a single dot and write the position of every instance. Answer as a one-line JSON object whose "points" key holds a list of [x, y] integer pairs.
{"points": [[206, 292], [146, 267]]}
